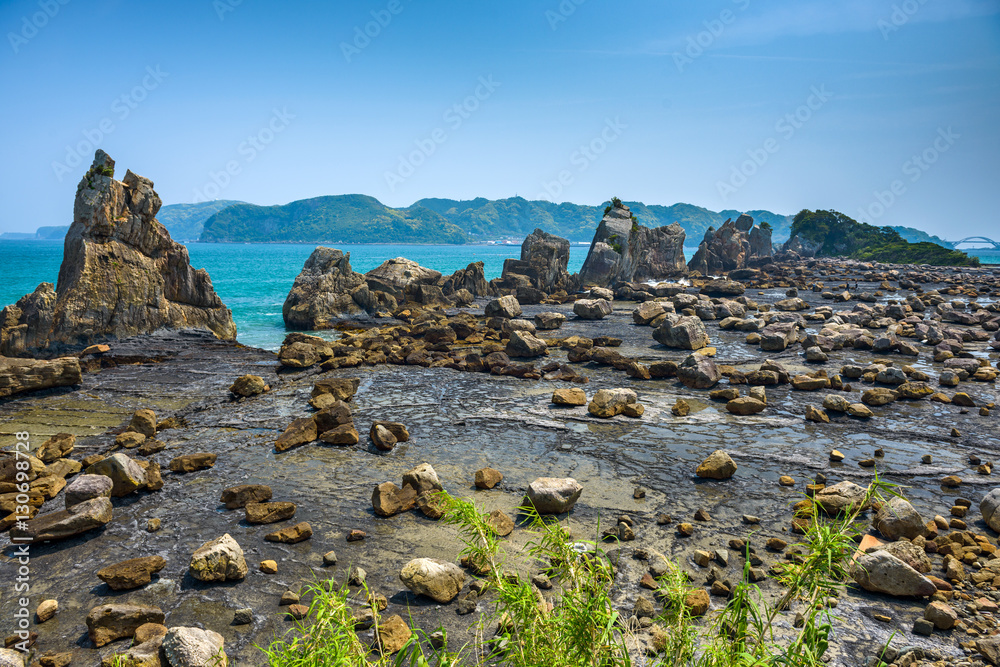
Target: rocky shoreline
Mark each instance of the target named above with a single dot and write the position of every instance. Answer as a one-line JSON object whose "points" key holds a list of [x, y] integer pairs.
{"points": [[460, 422], [183, 489]]}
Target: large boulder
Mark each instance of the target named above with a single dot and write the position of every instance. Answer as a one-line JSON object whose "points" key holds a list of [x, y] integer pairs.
{"points": [[607, 403], [86, 487], [403, 279], [625, 251], [422, 479], [193, 647], [840, 498], [126, 475], [301, 431], [506, 307], [471, 279], [778, 336], [698, 372], [988, 507], [897, 518], [685, 333], [56, 447], [108, 622], [723, 287], [523, 344], [881, 572], [74, 520], [542, 266], [18, 376], [242, 495], [437, 579], [220, 559], [323, 293], [121, 275], [553, 495], [132, 573], [592, 309]]}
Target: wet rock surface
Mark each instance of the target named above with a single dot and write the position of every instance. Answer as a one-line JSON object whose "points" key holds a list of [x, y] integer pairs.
{"points": [[461, 421]]}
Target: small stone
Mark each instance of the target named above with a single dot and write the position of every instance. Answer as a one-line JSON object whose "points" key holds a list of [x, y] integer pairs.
{"points": [[685, 529], [681, 408], [569, 396], [941, 615], [923, 627], [951, 481], [356, 535], [487, 478], [815, 414], [291, 535], [926, 459], [836, 456], [243, 616], [298, 611], [148, 631], [268, 567], [46, 609], [153, 525], [702, 514], [330, 558], [288, 597], [776, 544], [785, 480]]}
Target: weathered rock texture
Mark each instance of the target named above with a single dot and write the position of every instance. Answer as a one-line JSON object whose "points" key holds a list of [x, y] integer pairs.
{"points": [[328, 291], [731, 247], [623, 250], [20, 375], [121, 275], [542, 267]]}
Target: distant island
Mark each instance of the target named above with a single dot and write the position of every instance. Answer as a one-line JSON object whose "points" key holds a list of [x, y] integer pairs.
{"points": [[364, 219], [833, 234]]}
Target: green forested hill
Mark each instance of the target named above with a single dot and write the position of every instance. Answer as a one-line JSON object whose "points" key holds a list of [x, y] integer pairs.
{"points": [[488, 219], [917, 236], [332, 219], [185, 221], [841, 236]]}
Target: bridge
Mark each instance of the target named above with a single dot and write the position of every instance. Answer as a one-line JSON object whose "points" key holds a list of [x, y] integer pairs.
{"points": [[977, 239]]}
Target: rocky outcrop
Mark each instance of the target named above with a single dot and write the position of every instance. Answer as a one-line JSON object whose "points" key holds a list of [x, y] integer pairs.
{"points": [[732, 246], [542, 268], [121, 275], [472, 279], [328, 291], [21, 375], [801, 246], [405, 280], [625, 251]]}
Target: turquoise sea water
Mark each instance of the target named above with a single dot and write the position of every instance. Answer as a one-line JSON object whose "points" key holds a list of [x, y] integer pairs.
{"points": [[253, 279]]}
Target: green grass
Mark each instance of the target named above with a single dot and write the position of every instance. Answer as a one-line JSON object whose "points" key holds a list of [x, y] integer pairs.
{"points": [[583, 628]]}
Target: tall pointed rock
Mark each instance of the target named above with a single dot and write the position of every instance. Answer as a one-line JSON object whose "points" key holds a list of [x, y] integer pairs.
{"points": [[121, 275]]}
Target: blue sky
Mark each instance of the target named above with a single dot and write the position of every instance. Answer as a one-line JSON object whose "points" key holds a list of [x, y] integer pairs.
{"points": [[883, 109]]}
